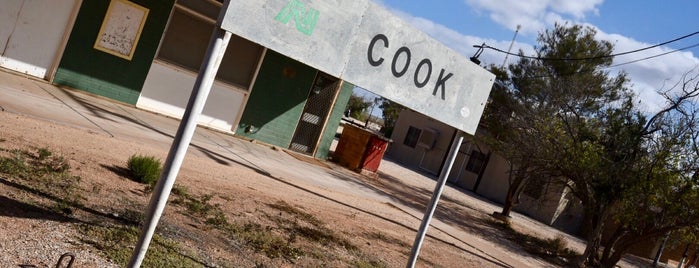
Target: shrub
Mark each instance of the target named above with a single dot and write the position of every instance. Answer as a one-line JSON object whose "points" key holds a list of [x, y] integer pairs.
{"points": [[145, 169], [44, 153], [559, 246]]}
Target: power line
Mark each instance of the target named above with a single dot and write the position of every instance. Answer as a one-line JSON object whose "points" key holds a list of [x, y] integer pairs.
{"points": [[624, 63], [654, 56], [588, 58]]}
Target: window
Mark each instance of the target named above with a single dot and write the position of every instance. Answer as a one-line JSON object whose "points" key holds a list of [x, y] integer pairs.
{"points": [[412, 137], [428, 138], [475, 162], [187, 38], [535, 188]]}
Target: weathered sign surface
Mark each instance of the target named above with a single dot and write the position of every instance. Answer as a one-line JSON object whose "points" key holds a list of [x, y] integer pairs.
{"points": [[364, 44]]}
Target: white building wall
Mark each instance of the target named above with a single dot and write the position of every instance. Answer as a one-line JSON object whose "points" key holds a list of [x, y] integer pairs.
{"points": [[495, 181], [167, 90], [32, 32], [426, 159]]}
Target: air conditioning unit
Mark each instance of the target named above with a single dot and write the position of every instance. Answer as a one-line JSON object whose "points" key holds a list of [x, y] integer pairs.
{"points": [[428, 138]]}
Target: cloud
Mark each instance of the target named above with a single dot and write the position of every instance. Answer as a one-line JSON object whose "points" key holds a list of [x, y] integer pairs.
{"points": [[650, 75], [462, 43], [647, 76], [534, 15], [576, 8]]}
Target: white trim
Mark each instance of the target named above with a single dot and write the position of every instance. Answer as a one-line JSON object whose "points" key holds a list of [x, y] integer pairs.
{"points": [[51, 73], [221, 83]]}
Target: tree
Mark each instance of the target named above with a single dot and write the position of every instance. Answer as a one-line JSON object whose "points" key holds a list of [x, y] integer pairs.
{"points": [[533, 94], [390, 110], [658, 183], [506, 121], [636, 177], [357, 107], [569, 120]]}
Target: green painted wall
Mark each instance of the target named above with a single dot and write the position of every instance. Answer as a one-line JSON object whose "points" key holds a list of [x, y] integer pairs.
{"points": [[334, 120], [277, 100], [86, 68]]}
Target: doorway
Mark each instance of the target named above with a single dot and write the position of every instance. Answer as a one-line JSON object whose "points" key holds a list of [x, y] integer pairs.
{"points": [[315, 113]]}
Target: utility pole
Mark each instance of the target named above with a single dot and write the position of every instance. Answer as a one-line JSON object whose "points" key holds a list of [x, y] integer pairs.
{"points": [[511, 43]]}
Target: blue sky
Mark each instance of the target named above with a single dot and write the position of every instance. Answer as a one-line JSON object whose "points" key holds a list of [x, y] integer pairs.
{"points": [[460, 24]]}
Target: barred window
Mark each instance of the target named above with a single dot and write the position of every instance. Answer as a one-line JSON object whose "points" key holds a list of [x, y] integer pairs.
{"points": [[412, 137], [475, 162], [186, 40]]}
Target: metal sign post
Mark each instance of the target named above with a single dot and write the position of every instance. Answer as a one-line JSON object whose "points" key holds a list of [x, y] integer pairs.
{"points": [[364, 44], [202, 86], [357, 41], [455, 145]]}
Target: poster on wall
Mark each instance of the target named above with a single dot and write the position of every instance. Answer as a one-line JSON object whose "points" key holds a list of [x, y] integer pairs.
{"points": [[121, 28]]}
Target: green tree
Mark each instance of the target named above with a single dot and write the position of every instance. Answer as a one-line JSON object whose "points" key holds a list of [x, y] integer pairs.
{"points": [[653, 183], [506, 121], [537, 100], [357, 107], [571, 121], [391, 110]]}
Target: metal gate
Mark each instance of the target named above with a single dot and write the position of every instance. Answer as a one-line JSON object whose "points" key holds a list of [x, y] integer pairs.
{"points": [[318, 105]]}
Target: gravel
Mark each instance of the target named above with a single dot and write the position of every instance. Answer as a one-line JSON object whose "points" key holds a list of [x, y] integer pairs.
{"points": [[41, 242]]}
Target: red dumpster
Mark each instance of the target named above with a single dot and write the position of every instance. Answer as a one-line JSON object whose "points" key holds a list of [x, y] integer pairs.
{"points": [[360, 148], [374, 153]]}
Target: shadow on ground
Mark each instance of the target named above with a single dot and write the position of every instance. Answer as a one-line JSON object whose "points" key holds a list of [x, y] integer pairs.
{"points": [[449, 211]]}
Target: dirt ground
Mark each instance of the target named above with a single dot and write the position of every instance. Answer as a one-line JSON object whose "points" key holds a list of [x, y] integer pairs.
{"points": [[39, 237], [381, 229]]}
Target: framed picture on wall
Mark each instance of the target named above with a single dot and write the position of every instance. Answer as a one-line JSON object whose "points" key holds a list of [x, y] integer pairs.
{"points": [[121, 28]]}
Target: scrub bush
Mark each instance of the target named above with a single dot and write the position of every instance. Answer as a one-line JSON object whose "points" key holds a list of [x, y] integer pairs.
{"points": [[145, 169]]}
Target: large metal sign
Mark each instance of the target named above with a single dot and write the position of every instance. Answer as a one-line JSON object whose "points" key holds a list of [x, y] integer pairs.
{"points": [[405, 65], [315, 32], [364, 44]]}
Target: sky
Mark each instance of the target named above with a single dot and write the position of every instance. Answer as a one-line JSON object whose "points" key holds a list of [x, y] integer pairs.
{"points": [[629, 25]]}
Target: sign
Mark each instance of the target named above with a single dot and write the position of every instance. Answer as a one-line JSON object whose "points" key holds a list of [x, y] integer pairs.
{"points": [[315, 32], [392, 59], [364, 44]]}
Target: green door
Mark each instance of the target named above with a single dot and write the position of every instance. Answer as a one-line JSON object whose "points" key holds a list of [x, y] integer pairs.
{"points": [[277, 100]]}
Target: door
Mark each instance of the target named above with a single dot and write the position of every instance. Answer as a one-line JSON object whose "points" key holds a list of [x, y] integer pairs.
{"points": [[315, 113], [31, 33]]}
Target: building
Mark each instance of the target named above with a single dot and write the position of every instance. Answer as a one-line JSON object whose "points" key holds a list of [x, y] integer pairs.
{"points": [[269, 86], [147, 53], [422, 143]]}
